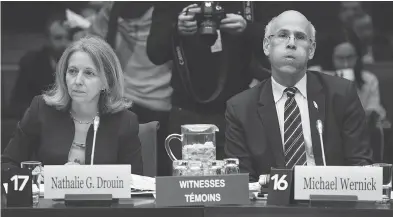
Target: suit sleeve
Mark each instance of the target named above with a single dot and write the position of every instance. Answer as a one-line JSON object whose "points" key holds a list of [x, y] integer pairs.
{"points": [[355, 131], [159, 41], [130, 150], [26, 136], [235, 143]]}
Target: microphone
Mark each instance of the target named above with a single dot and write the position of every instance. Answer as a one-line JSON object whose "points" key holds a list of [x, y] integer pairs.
{"points": [[320, 132], [96, 124]]}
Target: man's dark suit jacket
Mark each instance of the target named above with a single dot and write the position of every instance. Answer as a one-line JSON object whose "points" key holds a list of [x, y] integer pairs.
{"points": [[46, 134], [253, 132], [35, 76]]}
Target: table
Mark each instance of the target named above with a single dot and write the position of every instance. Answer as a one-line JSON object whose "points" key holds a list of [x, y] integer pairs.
{"points": [[143, 207], [259, 208], [146, 207]]}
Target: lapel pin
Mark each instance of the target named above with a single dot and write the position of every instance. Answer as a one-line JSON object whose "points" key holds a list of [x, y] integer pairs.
{"points": [[315, 105]]}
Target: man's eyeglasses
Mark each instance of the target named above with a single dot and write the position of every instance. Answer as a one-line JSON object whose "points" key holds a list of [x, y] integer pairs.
{"points": [[284, 37]]}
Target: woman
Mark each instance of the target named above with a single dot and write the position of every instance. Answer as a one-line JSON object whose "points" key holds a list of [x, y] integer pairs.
{"points": [[58, 126], [342, 57]]}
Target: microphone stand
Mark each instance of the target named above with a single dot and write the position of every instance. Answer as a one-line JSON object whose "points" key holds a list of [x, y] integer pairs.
{"points": [[96, 124], [320, 131]]}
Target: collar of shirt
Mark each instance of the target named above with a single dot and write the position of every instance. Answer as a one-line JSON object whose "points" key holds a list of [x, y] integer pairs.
{"points": [[278, 89]]}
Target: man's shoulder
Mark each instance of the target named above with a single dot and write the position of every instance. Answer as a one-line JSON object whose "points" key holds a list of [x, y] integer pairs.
{"points": [[331, 83]]}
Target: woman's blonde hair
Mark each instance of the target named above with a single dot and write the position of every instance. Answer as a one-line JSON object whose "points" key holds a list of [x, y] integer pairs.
{"points": [[109, 68]]}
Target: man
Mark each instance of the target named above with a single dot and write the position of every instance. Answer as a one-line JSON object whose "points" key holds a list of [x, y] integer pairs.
{"points": [[274, 123], [36, 68], [229, 56], [349, 11], [376, 47], [126, 26]]}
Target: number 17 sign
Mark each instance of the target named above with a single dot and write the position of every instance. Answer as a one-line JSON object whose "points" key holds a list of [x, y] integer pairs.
{"points": [[17, 186]]}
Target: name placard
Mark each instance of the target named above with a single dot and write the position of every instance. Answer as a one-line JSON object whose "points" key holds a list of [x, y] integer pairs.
{"points": [[202, 190], [60, 180], [363, 182]]}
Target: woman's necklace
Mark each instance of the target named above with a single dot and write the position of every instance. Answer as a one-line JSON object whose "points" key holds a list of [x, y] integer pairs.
{"points": [[82, 122]]}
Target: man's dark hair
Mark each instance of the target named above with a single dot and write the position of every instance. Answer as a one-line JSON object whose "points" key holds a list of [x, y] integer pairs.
{"points": [[56, 16]]}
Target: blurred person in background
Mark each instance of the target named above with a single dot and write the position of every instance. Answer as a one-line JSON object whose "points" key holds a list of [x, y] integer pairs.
{"points": [[342, 53], [375, 46], [349, 11], [89, 13], [36, 68], [126, 26], [58, 127]]}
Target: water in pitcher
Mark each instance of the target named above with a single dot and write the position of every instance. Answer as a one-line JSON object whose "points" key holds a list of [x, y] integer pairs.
{"points": [[199, 147]]}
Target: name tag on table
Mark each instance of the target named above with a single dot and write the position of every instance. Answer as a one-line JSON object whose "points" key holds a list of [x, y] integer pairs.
{"points": [[363, 182], [87, 179], [202, 190]]}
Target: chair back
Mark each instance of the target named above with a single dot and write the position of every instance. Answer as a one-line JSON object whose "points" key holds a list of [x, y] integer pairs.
{"points": [[148, 138]]}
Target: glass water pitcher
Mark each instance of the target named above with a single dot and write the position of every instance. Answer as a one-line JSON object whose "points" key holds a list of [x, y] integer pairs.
{"points": [[198, 142]]}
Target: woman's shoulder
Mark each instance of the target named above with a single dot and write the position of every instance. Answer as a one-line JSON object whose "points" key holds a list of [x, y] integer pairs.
{"points": [[127, 114], [39, 102], [124, 116]]}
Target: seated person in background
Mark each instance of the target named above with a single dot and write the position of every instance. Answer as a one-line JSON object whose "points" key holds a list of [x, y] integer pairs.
{"points": [[342, 57], [349, 11], [375, 47], [274, 123], [36, 68], [58, 126]]}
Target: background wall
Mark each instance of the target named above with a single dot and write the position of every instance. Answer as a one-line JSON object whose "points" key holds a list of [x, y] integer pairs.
{"points": [[34, 13]]}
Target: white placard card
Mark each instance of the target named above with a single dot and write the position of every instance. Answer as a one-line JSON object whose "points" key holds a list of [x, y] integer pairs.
{"points": [[87, 179], [363, 182]]}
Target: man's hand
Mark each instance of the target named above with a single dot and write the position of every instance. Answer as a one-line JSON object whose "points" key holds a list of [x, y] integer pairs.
{"points": [[186, 22], [233, 24]]}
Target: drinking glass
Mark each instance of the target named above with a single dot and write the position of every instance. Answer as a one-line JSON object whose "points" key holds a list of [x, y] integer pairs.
{"points": [[386, 181], [231, 166], [195, 168], [179, 168], [215, 167]]}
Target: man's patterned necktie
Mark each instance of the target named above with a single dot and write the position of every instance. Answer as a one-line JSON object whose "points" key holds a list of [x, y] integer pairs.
{"points": [[294, 147]]}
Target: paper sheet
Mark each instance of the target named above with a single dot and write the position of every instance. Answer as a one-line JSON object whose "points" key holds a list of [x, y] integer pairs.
{"points": [[143, 183]]}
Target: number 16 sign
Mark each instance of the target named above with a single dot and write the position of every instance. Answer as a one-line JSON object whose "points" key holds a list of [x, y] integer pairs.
{"points": [[280, 187]]}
